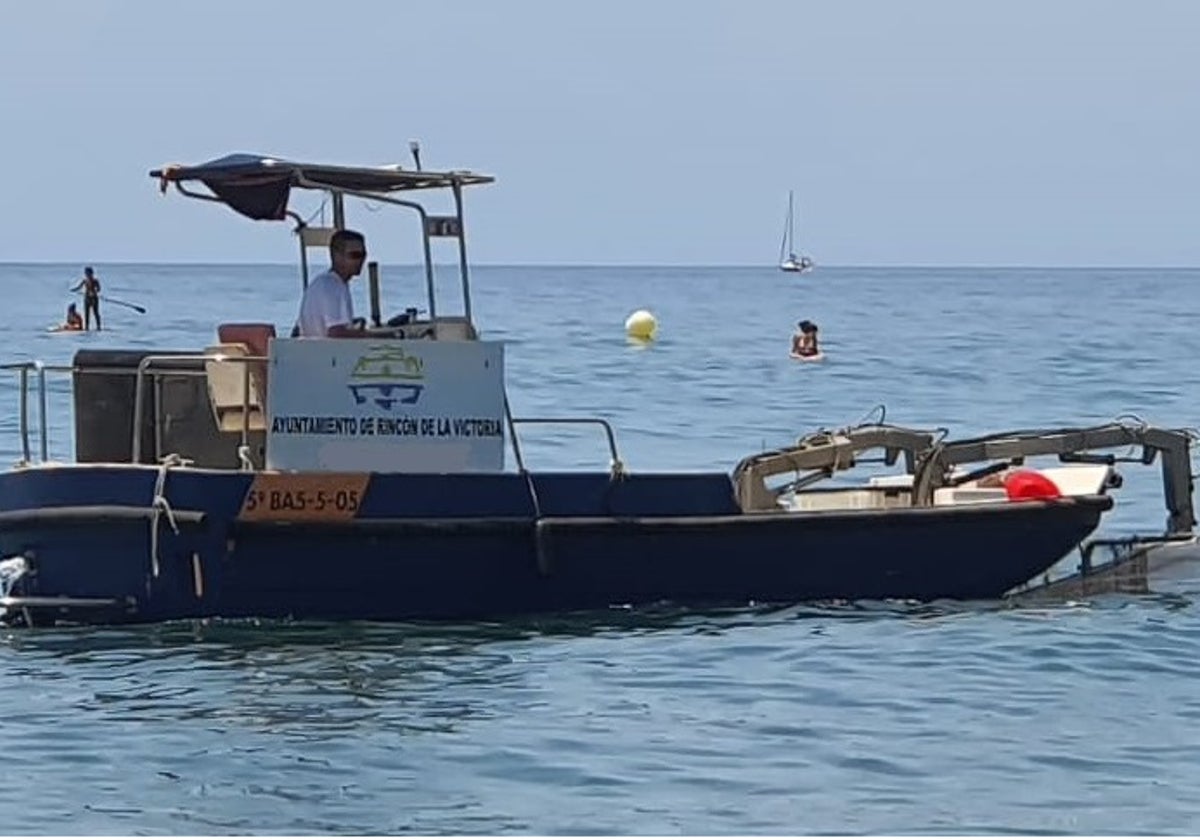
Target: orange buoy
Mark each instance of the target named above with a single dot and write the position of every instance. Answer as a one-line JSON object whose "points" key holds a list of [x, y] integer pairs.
{"points": [[1029, 484]]}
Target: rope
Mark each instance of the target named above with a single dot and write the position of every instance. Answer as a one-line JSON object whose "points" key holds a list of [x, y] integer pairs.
{"points": [[243, 453], [12, 569], [161, 505], [320, 210]]}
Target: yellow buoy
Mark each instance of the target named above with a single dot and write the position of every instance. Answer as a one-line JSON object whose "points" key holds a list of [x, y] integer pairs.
{"points": [[641, 325]]}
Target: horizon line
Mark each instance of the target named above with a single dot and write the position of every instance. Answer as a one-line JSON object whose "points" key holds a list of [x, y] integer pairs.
{"points": [[838, 266]]}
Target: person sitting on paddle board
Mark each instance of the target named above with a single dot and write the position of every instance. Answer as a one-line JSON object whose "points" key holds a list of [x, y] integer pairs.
{"points": [[74, 321], [91, 296], [804, 341]]}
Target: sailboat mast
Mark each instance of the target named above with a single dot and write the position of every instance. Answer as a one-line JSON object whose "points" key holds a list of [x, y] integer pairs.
{"points": [[791, 225], [785, 247]]}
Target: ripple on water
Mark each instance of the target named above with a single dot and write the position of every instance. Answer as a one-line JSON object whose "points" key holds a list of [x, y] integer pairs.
{"points": [[831, 718]]}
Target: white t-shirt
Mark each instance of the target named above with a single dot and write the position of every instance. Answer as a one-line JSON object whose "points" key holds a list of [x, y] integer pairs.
{"points": [[326, 304]]}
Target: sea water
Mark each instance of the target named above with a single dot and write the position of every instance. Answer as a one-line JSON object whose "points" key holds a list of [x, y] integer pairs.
{"points": [[878, 718]]}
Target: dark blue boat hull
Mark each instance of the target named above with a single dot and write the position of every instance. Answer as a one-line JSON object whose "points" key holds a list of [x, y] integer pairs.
{"points": [[477, 546]]}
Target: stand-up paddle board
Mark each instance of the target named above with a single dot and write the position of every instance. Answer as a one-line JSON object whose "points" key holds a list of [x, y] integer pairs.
{"points": [[816, 357]]}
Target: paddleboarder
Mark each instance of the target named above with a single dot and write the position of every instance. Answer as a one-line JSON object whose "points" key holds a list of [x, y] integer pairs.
{"points": [[90, 284]]}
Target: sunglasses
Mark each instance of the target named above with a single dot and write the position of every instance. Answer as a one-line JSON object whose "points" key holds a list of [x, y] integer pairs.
{"points": [[355, 255]]}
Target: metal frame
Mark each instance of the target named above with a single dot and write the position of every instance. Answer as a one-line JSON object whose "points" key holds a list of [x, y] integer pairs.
{"points": [[1074, 445], [615, 464], [23, 369], [148, 369], [930, 459], [144, 366], [453, 181], [822, 454], [426, 248]]}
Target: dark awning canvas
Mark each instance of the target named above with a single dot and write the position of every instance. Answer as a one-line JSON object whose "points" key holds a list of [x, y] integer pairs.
{"points": [[259, 186]]}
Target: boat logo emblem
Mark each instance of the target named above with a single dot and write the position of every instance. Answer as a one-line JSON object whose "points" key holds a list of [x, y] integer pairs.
{"points": [[387, 376]]}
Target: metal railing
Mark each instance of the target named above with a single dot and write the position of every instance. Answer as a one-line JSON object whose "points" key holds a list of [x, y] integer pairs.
{"points": [[615, 463], [143, 371], [23, 369], [139, 390], [154, 367]]}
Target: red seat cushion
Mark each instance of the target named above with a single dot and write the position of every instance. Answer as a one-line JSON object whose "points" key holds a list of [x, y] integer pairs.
{"points": [[256, 337]]}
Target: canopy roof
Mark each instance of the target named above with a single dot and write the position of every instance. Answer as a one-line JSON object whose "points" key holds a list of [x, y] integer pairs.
{"points": [[259, 186]]}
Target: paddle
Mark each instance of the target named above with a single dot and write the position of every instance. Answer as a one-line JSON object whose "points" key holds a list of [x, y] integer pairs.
{"points": [[132, 306]]}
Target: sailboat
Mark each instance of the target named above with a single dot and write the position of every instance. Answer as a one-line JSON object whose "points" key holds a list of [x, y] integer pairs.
{"points": [[791, 262]]}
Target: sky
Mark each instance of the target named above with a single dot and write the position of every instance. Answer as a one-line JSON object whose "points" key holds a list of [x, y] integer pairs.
{"points": [[627, 132]]}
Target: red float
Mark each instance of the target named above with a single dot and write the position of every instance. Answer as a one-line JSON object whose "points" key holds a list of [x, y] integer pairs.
{"points": [[1029, 484]]}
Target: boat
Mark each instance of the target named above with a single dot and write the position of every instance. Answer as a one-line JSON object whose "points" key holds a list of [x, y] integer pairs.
{"points": [[788, 259], [383, 478]]}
